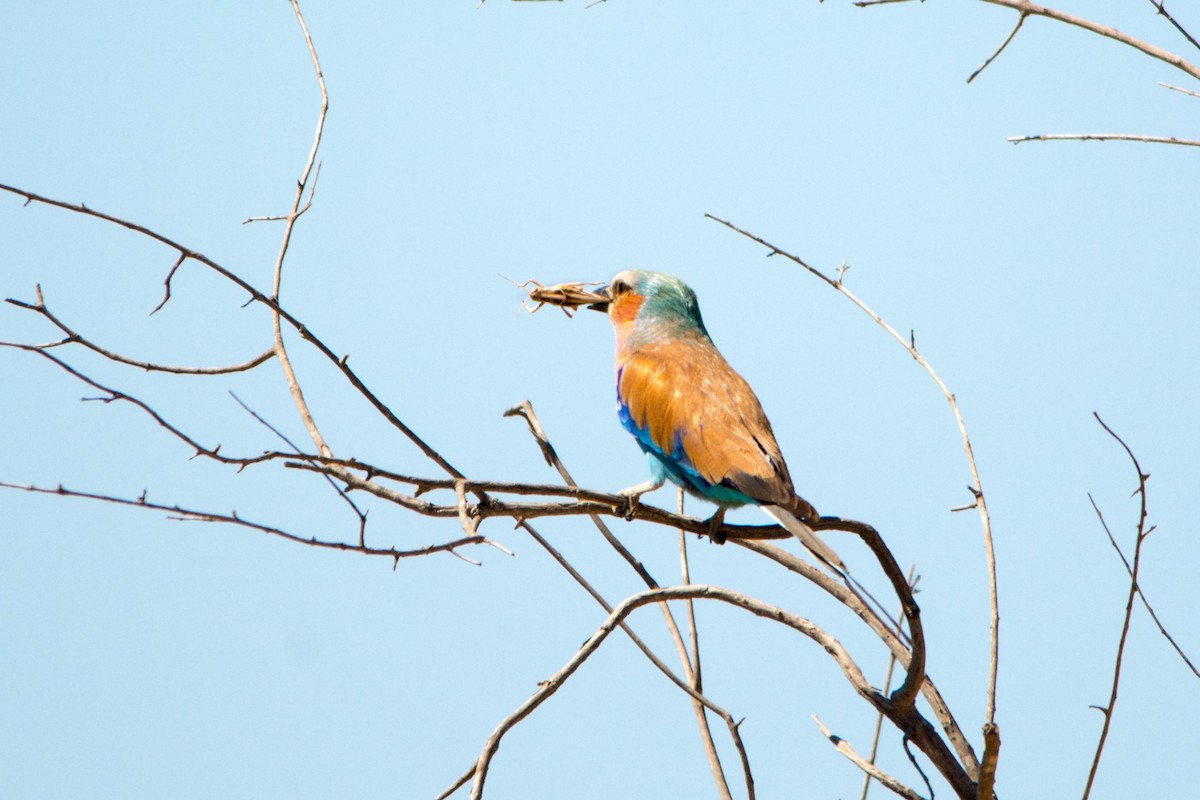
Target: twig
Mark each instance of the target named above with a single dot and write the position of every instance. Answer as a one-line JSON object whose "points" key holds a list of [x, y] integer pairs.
{"points": [[1104, 137], [1028, 8], [1142, 533], [192, 515], [167, 283], [1145, 602], [285, 362], [358, 512], [74, 337], [1162, 11], [1175, 88], [312, 191], [340, 362], [867, 766], [1000, 49]]}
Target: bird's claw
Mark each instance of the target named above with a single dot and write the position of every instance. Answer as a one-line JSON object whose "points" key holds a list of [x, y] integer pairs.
{"points": [[629, 503], [715, 535], [633, 496]]}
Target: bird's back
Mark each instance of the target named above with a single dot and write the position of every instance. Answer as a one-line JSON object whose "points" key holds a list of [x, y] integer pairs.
{"points": [[686, 405]]}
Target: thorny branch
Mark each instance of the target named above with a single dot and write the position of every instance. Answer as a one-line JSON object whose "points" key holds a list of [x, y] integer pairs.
{"points": [[976, 486], [74, 337], [182, 514]]}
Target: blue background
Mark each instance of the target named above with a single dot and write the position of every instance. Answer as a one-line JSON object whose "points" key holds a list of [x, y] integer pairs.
{"points": [[143, 657]]}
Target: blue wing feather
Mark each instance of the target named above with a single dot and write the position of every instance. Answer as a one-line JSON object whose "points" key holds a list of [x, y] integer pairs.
{"points": [[676, 466]]}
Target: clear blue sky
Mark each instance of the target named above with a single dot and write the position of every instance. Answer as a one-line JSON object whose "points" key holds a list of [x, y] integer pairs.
{"points": [[143, 657]]}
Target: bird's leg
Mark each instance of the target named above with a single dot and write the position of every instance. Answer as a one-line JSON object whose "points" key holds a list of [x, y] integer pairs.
{"points": [[634, 494], [714, 526]]}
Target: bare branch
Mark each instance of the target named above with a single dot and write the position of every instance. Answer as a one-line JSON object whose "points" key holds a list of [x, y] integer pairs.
{"points": [[167, 283], [285, 362], [1142, 533], [1027, 8], [1000, 49], [1162, 11], [362, 515], [1145, 602], [1175, 88], [1105, 137], [340, 362], [74, 337], [182, 514], [907, 718]]}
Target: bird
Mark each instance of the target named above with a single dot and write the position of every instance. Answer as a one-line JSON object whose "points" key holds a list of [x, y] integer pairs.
{"points": [[697, 420]]}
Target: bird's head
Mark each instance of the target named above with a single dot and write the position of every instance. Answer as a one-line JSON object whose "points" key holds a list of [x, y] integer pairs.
{"points": [[638, 298], [640, 303]]}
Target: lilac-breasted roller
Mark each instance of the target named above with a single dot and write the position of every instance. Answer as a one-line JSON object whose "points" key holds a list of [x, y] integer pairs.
{"points": [[698, 421]]}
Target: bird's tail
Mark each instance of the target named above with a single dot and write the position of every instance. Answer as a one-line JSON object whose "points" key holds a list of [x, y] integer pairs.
{"points": [[807, 537]]}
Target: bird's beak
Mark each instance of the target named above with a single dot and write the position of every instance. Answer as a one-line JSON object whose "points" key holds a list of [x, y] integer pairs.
{"points": [[569, 296], [602, 301]]}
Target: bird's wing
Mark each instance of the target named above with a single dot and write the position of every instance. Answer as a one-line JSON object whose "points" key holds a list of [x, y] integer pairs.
{"points": [[684, 401]]}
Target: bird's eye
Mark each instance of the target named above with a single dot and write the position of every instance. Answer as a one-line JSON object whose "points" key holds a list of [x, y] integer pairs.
{"points": [[619, 287]]}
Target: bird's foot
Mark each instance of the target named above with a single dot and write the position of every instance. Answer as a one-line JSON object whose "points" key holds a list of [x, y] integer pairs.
{"points": [[633, 496], [715, 535]]}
